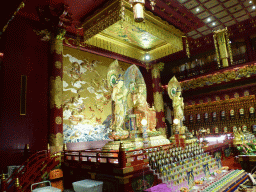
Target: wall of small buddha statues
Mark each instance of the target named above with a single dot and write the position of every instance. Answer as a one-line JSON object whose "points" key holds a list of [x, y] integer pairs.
{"points": [[222, 113], [206, 62]]}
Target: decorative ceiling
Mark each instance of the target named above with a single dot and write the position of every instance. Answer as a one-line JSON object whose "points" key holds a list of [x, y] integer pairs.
{"points": [[218, 14], [107, 30], [133, 35], [195, 18]]}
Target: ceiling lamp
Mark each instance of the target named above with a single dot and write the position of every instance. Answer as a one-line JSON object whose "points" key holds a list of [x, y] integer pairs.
{"points": [[138, 8]]}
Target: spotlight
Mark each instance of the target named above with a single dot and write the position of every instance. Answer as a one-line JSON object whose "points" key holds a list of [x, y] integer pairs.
{"points": [[209, 19], [147, 57], [197, 9]]}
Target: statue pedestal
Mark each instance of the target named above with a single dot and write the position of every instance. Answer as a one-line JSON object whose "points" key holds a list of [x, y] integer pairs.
{"points": [[136, 143], [114, 145], [158, 140], [182, 139]]}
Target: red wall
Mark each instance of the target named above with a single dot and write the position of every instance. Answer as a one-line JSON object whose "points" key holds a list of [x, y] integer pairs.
{"points": [[24, 54]]}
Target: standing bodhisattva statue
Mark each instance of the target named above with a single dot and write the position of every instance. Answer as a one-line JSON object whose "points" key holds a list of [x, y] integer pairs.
{"points": [[174, 91]]}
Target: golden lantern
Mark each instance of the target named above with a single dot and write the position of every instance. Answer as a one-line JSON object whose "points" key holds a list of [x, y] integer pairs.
{"points": [[138, 9], [222, 47]]}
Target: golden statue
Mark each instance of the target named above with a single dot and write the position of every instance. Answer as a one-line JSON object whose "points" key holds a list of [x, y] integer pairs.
{"points": [[174, 91], [118, 97], [116, 85]]}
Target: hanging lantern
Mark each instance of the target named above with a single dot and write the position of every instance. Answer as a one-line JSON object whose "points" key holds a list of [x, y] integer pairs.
{"points": [[138, 9], [222, 47]]}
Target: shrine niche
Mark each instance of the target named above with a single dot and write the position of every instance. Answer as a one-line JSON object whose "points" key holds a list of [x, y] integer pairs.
{"points": [[229, 112]]}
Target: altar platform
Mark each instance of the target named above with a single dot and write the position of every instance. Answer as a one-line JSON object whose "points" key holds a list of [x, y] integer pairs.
{"points": [[148, 168]]}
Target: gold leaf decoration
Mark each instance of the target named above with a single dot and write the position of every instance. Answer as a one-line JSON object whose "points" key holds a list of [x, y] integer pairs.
{"points": [[217, 78], [155, 72], [58, 64], [57, 46], [56, 140], [58, 120], [56, 90], [158, 101]]}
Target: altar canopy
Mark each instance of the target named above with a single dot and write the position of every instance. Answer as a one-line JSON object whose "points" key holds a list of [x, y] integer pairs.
{"points": [[119, 33]]}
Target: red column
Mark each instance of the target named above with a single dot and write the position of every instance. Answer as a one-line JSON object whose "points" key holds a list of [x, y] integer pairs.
{"points": [[158, 97], [56, 90]]}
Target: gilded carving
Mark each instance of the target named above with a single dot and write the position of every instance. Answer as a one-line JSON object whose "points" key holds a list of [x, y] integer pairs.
{"points": [[158, 101], [221, 102], [217, 78], [160, 66], [57, 46], [56, 89], [58, 64], [56, 140], [155, 72], [61, 34], [97, 27], [58, 120]]}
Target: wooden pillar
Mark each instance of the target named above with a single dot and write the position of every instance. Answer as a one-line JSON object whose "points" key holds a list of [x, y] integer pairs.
{"points": [[56, 90], [158, 97]]}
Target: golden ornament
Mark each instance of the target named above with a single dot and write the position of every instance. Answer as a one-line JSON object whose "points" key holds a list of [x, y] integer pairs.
{"points": [[58, 64], [58, 120], [158, 101], [56, 90]]}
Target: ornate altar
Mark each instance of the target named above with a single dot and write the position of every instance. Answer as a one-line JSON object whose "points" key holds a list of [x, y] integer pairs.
{"points": [[130, 109]]}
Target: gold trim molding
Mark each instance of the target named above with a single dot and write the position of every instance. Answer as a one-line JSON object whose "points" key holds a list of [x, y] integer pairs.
{"points": [[217, 78], [111, 14], [219, 103]]}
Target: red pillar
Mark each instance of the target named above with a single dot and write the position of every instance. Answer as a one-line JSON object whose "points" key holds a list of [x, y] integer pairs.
{"points": [[158, 97], [56, 89]]}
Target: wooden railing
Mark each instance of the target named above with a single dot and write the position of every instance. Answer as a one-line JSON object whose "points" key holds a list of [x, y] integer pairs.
{"points": [[31, 171], [119, 159]]}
